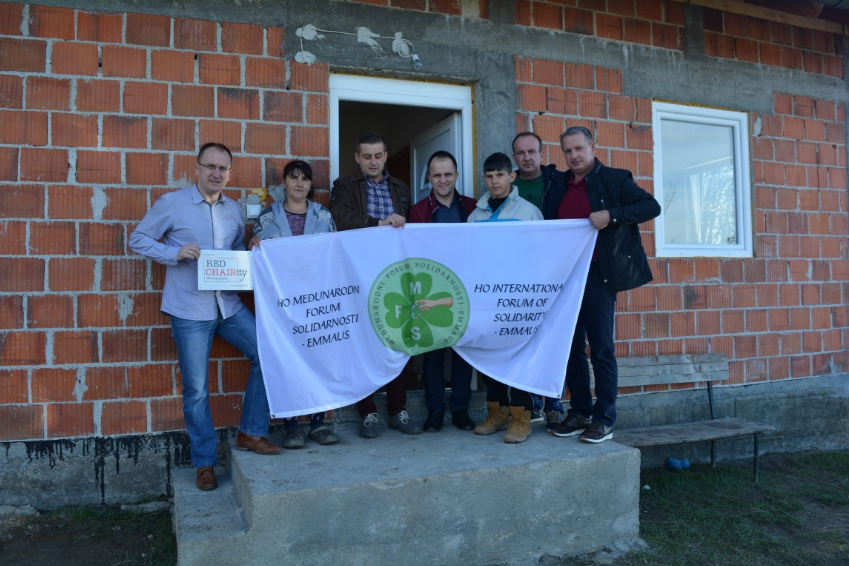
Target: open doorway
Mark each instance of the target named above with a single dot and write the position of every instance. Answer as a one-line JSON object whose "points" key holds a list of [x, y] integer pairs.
{"points": [[415, 119], [412, 134]]}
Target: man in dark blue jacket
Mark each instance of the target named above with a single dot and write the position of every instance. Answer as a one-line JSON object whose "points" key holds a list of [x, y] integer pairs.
{"points": [[614, 205]]}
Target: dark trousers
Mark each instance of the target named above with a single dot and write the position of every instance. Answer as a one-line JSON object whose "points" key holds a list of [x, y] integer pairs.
{"points": [[507, 396], [396, 398], [595, 325], [433, 372]]}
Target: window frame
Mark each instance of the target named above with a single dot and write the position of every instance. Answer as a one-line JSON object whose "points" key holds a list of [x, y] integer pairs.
{"points": [[739, 124]]}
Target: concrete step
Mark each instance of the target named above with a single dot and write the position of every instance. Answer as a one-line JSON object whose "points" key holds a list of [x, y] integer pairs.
{"points": [[205, 520], [447, 498]]}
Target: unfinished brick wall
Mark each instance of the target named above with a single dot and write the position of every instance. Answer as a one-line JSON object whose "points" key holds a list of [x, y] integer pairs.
{"points": [[102, 113], [467, 8], [755, 40], [99, 115], [780, 314], [658, 23]]}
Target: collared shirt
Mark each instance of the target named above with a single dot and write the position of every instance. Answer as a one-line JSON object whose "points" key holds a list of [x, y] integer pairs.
{"points": [[379, 204], [453, 213], [184, 217], [576, 204]]}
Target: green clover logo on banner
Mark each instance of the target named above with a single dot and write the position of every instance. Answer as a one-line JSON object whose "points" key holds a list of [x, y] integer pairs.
{"points": [[418, 305]]}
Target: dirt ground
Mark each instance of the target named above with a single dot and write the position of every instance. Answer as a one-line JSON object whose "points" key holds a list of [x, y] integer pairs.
{"points": [[87, 537]]}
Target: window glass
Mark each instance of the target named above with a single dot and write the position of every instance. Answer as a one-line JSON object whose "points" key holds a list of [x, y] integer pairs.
{"points": [[701, 182]]}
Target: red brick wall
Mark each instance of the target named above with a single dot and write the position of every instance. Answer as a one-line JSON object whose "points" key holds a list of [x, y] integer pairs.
{"points": [[780, 314], [658, 23], [449, 7], [99, 115], [746, 38]]}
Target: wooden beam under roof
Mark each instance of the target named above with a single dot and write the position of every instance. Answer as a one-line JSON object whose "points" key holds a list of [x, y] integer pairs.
{"points": [[770, 14]]}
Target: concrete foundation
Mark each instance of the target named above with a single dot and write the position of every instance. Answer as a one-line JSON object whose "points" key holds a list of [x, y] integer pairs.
{"points": [[450, 498], [810, 414]]}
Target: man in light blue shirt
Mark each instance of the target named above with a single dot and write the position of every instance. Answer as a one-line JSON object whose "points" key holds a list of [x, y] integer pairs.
{"points": [[173, 233]]}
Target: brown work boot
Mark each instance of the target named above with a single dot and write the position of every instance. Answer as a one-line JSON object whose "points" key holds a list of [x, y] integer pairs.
{"points": [[520, 425], [257, 444], [496, 418], [206, 478]]}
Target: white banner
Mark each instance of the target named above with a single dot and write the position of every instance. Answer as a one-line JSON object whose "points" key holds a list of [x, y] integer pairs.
{"points": [[338, 315]]}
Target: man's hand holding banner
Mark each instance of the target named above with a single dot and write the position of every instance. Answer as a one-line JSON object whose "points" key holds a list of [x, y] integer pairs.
{"points": [[338, 315]]}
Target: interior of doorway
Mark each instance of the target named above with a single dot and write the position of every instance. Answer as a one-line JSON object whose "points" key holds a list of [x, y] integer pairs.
{"points": [[397, 125]]}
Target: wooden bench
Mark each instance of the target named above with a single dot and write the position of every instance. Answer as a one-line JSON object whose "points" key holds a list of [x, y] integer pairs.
{"points": [[708, 368]]}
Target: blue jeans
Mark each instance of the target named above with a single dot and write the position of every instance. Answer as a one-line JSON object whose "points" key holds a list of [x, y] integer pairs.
{"points": [[547, 403], [194, 341], [595, 325], [433, 370]]}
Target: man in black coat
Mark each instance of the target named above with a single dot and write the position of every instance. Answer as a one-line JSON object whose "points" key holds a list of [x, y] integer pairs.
{"points": [[614, 205]]}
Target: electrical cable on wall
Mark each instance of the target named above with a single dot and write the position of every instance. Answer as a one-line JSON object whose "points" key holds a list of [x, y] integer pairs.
{"points": [[404, 48]]}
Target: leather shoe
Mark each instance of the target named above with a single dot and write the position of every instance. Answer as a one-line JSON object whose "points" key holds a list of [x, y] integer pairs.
{"points": [[462, 420], [257, 444], [434, 421], [206, 478]]}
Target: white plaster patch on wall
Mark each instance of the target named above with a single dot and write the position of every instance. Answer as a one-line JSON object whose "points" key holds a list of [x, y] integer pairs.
{"points": [[97, 410], [757, 126], [99, 200], [25, 20], [125, 307], [80, 387], [72, 167], [183, 181]]}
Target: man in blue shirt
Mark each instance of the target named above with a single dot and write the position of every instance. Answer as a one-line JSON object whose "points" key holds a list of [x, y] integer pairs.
{"points": [[173, 233]]}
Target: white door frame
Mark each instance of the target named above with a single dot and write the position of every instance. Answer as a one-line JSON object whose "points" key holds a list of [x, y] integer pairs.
{"points": [[404, 93]]}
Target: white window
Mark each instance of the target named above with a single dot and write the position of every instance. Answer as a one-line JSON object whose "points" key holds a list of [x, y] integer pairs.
{"points": [[701, 180]]}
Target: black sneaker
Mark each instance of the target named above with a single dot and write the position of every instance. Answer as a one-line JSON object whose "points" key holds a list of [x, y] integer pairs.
{"points": [[537, 417], [462, 420], [552, 418], [596, 433], [323, 435], [570, 426], [434, 421], [293, 438]]}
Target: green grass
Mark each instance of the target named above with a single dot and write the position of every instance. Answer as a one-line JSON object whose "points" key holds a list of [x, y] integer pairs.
{"points": [[798, 514]]}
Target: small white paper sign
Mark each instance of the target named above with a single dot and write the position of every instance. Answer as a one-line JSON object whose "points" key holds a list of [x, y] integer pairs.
{"points": [[224, 270]]}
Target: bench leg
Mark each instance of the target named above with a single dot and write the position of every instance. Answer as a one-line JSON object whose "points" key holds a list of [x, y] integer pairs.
{"points": [[713, 453], [756, 457]]}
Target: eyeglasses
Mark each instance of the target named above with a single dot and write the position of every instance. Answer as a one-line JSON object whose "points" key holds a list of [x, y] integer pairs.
{"points": [[213, 168]]}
